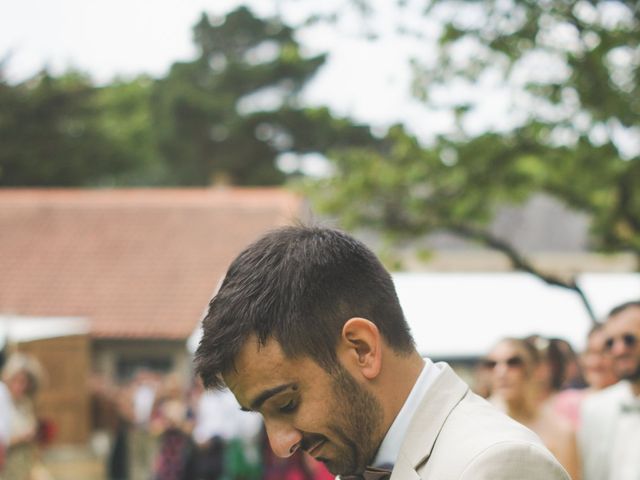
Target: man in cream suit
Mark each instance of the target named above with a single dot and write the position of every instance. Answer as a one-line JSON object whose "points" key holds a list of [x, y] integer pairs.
{"points": [[609, 438], [307, 330]]}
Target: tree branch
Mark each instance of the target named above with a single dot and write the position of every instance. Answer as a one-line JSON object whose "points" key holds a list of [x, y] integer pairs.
{"points": [[625, 194], [520, 263]]}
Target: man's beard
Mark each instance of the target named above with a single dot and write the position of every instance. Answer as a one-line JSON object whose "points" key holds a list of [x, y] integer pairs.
{"points": [[632, 375], [356, 425]]}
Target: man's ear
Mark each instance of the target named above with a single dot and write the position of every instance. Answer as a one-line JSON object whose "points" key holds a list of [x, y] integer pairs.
{"points": [[361, 347]]}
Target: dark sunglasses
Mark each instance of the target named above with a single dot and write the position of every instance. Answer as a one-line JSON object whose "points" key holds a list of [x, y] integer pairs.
{"points": [[511, 362], [629, 340]]}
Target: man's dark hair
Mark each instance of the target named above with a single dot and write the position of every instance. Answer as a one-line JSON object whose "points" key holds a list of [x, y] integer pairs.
{"points": [[598, 327], [622, 307], [298, 285]]}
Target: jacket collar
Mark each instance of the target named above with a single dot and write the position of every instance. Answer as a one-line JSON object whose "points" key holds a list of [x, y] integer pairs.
{"points": [[441, 398]]}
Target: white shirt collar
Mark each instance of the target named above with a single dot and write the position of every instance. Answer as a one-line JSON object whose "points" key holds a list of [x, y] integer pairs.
{"points": [[390, 446]]}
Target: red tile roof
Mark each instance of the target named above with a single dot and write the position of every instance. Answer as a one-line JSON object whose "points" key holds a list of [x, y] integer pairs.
{"points": [[137, 263]]}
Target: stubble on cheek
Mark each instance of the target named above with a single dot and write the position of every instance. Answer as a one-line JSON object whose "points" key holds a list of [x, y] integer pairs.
{"points": [[357, 426], [343, 455]]}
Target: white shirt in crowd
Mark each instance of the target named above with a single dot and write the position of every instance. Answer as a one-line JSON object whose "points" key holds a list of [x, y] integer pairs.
{"points": [[6, 407], [609, 437], [625, 450], [219, 415]]}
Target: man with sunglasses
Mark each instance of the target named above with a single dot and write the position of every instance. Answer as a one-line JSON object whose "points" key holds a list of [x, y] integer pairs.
{"points": [[307, 330], [610, 434]]}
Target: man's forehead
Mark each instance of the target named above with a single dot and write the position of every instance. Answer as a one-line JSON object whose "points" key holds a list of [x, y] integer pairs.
{"points": [[256, 363], [628, 318], [254, 353]]}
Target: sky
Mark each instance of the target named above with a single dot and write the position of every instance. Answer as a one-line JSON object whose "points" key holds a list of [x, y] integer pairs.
{"points": [[367, 81]]}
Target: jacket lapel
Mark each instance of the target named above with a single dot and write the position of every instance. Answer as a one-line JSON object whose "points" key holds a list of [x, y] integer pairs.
{"points": [[403, 469], [441, 398]]}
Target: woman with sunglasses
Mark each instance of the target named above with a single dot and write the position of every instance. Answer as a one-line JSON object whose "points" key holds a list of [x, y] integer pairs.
{"points": [[512, 366]]}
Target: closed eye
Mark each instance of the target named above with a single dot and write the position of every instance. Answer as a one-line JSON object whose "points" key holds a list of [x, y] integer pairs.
{"points": [[288, 407]]}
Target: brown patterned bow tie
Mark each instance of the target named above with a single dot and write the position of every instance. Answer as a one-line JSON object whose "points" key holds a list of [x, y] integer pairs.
{"points": [[370, 474]]}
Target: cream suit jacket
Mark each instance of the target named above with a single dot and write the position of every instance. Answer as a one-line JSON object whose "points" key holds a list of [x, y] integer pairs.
{"points": [[455, 434], [600, 414]]}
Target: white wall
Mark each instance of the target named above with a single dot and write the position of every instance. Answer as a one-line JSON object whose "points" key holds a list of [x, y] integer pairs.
{"points": [[463, 314]]}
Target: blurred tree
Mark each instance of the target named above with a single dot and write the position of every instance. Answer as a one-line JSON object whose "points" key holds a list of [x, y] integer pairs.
{"points": [[227, 116], [50, 134], [124, 117], [575, 106], [569, 71]]}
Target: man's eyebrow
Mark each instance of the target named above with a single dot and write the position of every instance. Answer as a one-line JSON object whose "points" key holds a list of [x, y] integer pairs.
{"points": [[266, 395]]}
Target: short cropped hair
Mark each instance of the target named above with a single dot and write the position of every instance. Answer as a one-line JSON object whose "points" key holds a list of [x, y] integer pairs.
{"points": [[622, 307], [298, 285]]}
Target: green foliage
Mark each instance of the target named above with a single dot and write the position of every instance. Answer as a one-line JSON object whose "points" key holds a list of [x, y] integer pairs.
{"points": [[410, 190], [124, 117], [208, 114], [575, 67], [224, 117], [50, 133]]}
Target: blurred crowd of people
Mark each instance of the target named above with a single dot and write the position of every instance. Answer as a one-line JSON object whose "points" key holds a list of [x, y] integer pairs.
{"points": [[585, 407], [574, 402], [157, 428], [21, 431]]}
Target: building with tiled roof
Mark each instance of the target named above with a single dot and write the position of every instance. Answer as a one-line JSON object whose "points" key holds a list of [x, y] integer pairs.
{"points": [[140, 265]]}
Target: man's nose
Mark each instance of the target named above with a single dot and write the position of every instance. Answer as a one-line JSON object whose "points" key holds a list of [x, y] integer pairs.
{"points": [[619, 348], [284, 438]]}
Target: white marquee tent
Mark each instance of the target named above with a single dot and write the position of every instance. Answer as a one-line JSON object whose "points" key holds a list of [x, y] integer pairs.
{"points": [[464, 314], [16, 329], [461, 315]]}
